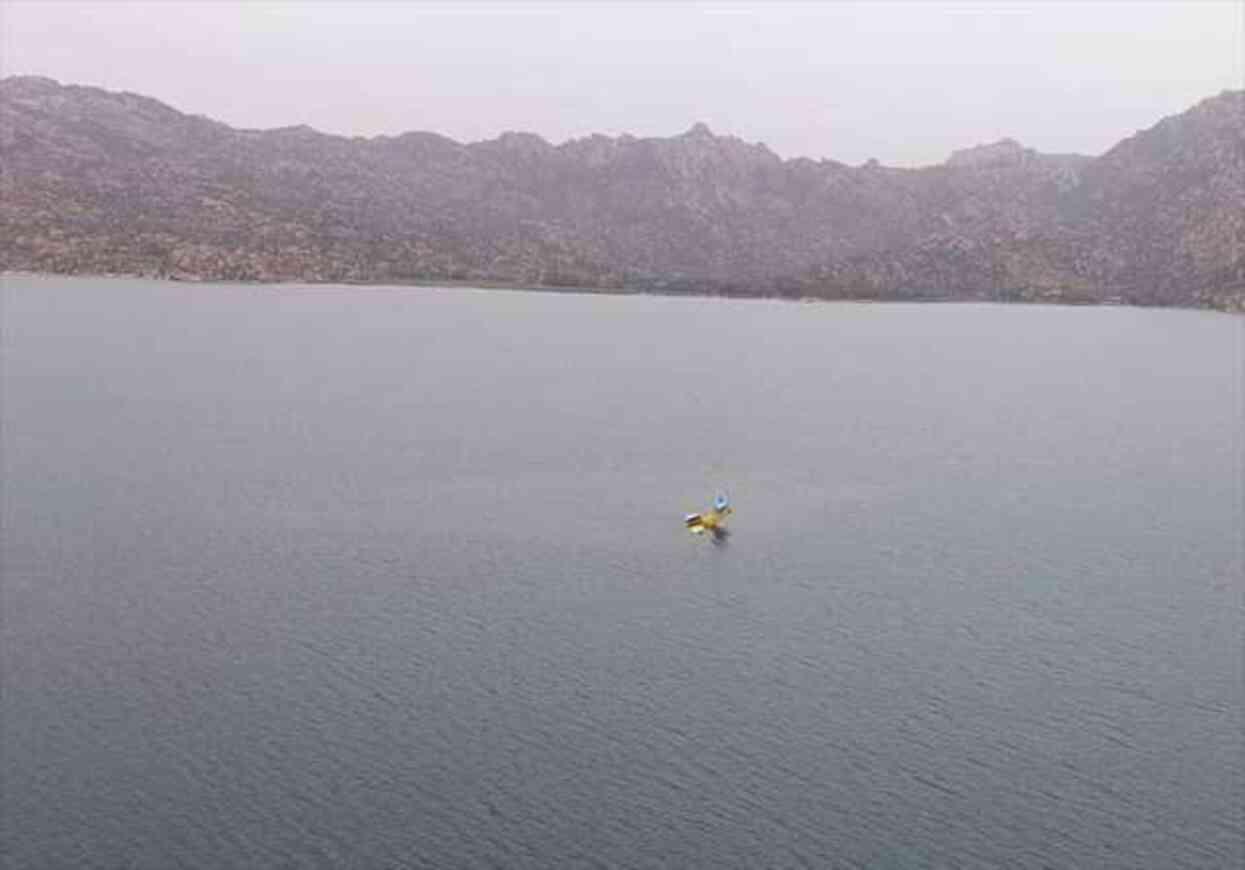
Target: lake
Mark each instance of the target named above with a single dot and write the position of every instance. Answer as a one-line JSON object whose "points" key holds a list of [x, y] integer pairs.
{"points": [[376, 577]]}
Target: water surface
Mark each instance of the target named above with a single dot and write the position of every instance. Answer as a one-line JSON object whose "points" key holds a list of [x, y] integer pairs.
{"points": [[384, 578]]}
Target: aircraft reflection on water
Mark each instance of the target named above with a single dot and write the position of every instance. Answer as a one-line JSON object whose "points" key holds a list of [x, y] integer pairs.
{"points": [[712, 522]]}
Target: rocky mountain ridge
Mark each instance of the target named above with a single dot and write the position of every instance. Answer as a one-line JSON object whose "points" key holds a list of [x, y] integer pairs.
{"points": [[102, 182]]}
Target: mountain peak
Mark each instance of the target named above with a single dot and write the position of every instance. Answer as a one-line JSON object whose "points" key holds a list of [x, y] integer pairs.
{"points": [[1004, 152], [25, 81], [521, 139]]}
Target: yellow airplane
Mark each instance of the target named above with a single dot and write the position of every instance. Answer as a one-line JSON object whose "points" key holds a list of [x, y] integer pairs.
{"points": [[712, 521]]}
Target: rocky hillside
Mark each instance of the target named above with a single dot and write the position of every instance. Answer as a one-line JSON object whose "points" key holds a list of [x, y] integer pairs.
{"points": [[95, 181]]}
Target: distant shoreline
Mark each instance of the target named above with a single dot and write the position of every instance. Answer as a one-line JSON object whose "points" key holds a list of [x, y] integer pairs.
{"points": [[511, 287]]}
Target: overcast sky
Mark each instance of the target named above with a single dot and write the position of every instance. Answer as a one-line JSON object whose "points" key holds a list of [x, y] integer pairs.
{"points": [[905, 82]]}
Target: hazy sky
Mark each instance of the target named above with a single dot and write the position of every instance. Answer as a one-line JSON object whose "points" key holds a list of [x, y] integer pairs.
{"points": [[905, 82]]}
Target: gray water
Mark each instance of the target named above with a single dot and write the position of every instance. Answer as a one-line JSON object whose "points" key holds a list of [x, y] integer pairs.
{"points": [[346, 577]]}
